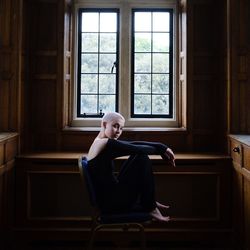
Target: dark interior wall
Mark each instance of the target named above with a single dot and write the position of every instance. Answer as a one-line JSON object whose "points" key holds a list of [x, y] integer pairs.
{"points": [[46, 80], [36, 101]]}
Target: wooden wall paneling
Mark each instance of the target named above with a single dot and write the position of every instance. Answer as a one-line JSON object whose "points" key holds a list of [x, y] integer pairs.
{"points": [[240, 148], [243, 70], [206, 87], [205, 76], [2, 171], [50, 196], [190, 69], [183, 61], [60, 70], [8, 151], [4, 100], [44, 76], [246, 160], [9, 191], [26, 67], [50, 192], [5, 71], [2, 207], [67, 98], [75, 140], [238, 51], [237, 217], [221, 86], [233, 37], [48, 76], [246, 188], [45, 186], [10, 35]]}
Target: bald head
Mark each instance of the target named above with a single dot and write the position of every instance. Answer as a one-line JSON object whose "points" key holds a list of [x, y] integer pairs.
{"points": [[112, 116]]}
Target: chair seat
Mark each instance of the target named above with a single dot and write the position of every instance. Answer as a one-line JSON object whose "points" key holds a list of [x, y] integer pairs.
{"points": [[136, 217]]}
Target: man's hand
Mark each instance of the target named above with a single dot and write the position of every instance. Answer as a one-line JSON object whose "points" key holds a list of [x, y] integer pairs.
{"points": [[169, 156]]}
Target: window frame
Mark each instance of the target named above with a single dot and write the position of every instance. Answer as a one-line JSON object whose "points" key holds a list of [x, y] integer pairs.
{"points": [[79, 73], [170, 11], [125, 7]]}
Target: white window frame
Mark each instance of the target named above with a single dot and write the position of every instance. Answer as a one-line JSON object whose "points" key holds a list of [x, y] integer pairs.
{"points": [[125, 7]]}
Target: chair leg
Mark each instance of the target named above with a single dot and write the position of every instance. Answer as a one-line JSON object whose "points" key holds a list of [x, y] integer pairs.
{"points": [[91, 240], [92, 236], [143, 237]]}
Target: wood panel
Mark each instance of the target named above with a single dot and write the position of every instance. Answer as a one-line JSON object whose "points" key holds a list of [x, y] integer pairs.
{"points": [[183, 61], [205, 86], [49, 195], [246, 188], [241, 189], [44, 55], [67, 87], [10, 51], [8, 151], [2, 190], [77, 139], [238, 67]]}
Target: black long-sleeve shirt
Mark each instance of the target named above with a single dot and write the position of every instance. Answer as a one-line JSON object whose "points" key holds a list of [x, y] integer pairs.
{"points": [[101, 167]]}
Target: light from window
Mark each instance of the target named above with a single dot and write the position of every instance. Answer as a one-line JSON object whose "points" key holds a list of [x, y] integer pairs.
{"points": [[97, 61], [152, 58]]}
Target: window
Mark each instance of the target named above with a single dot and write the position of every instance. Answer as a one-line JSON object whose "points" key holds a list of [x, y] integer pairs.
{"points": [[97, 59], [125, 61], [152, 56]]}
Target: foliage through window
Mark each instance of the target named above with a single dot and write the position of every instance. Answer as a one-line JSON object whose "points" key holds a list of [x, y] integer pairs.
{"points": [[97, 60], [152, 71], [137, 80]]}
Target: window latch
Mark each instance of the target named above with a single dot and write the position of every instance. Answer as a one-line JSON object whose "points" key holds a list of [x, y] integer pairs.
{"points": [[114, 65]]}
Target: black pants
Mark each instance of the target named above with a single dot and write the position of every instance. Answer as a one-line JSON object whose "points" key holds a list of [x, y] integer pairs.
{"points": [[135, 189]]}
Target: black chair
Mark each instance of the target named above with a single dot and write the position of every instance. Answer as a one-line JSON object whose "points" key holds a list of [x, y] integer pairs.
{"points": [[101, 221]]}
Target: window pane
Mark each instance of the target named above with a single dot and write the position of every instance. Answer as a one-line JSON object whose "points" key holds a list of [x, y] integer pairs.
{"points": [[160, 83], [90, 22], [142, 104], [106, 63], [160, 21], [142, 83], [89, 63], [89, 42], [108, 42], [160, 42], [108, 22], [107, 103], [161, 63], [142, 21], [160, 104], [107, 84], [98, 48], [88, 83], [88, 104], [143, 42], [142, 62], [152, 68]]}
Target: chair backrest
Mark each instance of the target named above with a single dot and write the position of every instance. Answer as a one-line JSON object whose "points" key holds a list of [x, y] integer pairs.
{"points": [[83, 167]]}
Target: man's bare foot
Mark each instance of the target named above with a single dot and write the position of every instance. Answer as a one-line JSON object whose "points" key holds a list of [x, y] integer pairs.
{"points": [[156, 214], [159, 205]]}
